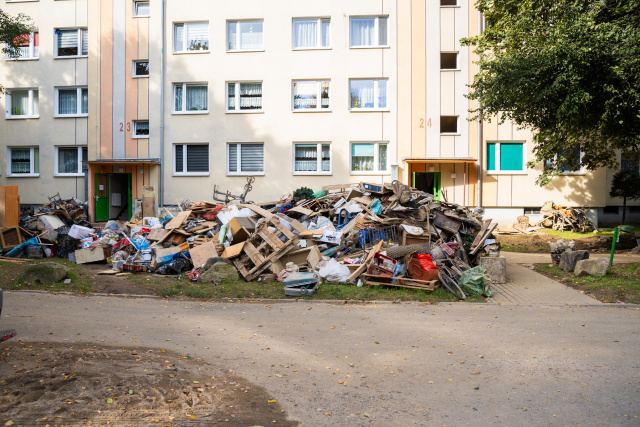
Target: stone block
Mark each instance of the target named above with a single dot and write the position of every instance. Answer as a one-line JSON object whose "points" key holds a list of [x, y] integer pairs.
{"points": [[592, 267], [496, 267], [219, 273], [568, 259], [45, 272]]}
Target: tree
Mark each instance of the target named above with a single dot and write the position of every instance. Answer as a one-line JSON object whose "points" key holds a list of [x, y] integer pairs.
{"points": [[569, 70], [625, 185], [13, 30]]}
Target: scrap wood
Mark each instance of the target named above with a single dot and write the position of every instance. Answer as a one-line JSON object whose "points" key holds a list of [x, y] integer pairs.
{"points": [[366, 262], [400, 282], [484, 237], [257, 209], [107, 272], [15, 260]]}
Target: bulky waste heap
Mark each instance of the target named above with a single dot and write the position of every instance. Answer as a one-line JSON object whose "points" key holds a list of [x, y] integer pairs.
{"points": [[365, 234]]}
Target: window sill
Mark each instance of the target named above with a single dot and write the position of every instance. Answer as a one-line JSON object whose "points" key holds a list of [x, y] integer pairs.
{"points": [[370, 47], [245, 173], [369, 173], [67, 116], [312, 173], [141, 16], [450, 134], [310, 48], [191, 174], [450, 6], [66, 175], [507, 173], [245, 50], [24, 175], [312, 110], [188, 52], [368, 110], [21, 117], [450, 69], [187, 113], [140, 77], [22, 59], [71, 57], [576, 173], [245, 112], [140, 137]]}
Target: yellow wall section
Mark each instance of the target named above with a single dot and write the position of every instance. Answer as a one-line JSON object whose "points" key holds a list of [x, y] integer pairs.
{"points": [[447, 29], [418, 79], [447, 93]]}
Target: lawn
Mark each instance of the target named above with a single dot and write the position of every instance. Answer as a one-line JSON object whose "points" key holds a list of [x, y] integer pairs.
{"points": [[621, 284]]}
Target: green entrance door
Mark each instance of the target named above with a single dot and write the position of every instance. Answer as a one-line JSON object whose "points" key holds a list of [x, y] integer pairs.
{"points": [[428, 182], [102, 197]]}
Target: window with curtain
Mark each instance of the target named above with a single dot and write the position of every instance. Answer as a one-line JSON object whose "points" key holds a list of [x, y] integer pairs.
{"points": [[72, 42], [311, 33], [28, 47], [245, 158], [191, 159], [193, 98], [368, 94], [369, 157], [141, 8], [312, 159], [310, 94], [69, 160], [23, 161], [244, 96], [72, 101], [140, 68], [368, 31], [23, 103], [505, 156], [245, 35], [190, 36], [140, 129]]}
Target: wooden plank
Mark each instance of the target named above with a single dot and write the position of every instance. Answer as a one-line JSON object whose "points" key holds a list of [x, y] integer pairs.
{"points": [[178, 220], [12, 206], [200, 254], [258, 210], [476, 241], [366, 263], [157, 234], [254, 254], [484, 237], [233, 250], [3, 207]]}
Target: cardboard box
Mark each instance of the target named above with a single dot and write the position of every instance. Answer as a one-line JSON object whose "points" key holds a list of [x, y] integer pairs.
{"points": [[164, 256], [201, 253], [85, 256], [148, 201], [241, 228]]}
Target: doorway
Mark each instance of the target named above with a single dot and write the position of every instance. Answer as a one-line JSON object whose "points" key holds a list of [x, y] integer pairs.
{"points": [[113, 196], [428, 182]]}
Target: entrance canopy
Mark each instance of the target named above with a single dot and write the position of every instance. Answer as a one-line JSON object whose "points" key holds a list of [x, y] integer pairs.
{"points": [[450, 160], [123, 161]]}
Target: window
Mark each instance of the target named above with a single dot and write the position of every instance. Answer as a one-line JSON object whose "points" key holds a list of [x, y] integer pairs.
{"points": [[312, 159], [570, 164], [191, 159], [190, 98], [369, 31], [243, 96], [68, 160], [306, 94], [71, 42], [140, 129], [368, 94], [369, 157], [28, 47], [611, 210], [505, 156], [448, 2], [448, 60], [22, 104], [245, 159], [630, 161], [23, 161], [245, 35], [141, 9], [141, 68], [71, 102], [190, 37], [311, 33], [448, 124]]}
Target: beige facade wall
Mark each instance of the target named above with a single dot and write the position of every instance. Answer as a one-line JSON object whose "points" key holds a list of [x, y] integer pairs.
{"points": [[45, 132]]}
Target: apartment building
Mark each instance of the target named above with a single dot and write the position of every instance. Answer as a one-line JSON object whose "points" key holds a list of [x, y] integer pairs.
{"points": [[185, 96]]}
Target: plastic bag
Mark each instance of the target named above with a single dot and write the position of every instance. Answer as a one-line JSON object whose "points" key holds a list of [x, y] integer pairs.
{"points": [[335, 272], [477, 281], [376, 207]]}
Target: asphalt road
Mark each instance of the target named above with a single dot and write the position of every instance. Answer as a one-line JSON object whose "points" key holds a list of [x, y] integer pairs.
{"points": [[381, 364]]}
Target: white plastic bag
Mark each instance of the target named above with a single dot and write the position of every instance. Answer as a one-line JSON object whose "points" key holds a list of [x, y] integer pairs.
{"points": [[335, 272]]}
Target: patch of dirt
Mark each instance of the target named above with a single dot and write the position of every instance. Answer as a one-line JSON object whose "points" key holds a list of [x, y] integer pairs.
{"points": [[540, 242], [112, 284], [85, 384]]}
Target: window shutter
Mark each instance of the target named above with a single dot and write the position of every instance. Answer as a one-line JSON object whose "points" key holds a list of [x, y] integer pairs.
{"points": [[198, 158], [252, 158], [233, 158], [85, 42], [179, 158]]}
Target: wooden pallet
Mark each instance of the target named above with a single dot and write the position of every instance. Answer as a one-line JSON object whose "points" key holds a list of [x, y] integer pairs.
{"points": [[263, 248], [400, 282]]}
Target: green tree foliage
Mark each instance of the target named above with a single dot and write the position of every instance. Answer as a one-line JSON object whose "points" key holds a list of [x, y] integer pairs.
{"points": [[13, 29], [625, 185], [569, 70]]}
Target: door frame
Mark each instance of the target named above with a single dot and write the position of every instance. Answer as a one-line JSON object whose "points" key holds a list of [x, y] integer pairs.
{"points": [[437, 184]]}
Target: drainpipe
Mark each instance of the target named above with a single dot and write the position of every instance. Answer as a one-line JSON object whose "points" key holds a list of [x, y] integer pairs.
{"points": [[162, 38], [480, 131]]}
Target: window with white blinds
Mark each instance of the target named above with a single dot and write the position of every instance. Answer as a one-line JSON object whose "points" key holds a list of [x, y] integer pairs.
{"points": [[191, 36], [245, 159], [71, 42], [191, 159]]}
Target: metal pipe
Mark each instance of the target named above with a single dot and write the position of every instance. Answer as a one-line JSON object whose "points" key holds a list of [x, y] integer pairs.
{"points": [[162, 39], [480, 135]]}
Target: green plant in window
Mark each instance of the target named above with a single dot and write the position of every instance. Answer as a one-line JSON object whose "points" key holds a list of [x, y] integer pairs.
{"points": [[198, 45], [17, 111]]}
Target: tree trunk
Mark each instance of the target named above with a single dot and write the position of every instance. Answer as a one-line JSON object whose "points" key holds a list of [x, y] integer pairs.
{"points": [[624, 209]]}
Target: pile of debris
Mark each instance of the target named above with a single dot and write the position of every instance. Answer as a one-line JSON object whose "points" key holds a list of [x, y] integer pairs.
{"points": [[372, 234], [553, 216]]}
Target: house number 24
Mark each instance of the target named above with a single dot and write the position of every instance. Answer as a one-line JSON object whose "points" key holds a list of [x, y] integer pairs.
{"points": [[422, 123]]}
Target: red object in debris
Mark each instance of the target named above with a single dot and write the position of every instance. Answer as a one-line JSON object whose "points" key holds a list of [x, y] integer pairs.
{"points": [[421, 267], [211, 215], [144, 231], [426, 262]]}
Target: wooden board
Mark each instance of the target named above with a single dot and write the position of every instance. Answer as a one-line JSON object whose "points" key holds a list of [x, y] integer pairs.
{"points": [[233, 250], [157, 234], [178, 220], [10, 237], [200, 254], [400, 282]]}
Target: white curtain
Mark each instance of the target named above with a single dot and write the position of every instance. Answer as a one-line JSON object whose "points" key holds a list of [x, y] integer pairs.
{"points": [[19, 102], [197, 98], [326, 158], [326, 33], [177, 96], [20, 160], [251, 35], [362, 31], [305, 33], [251, 96], [232, 35], [382, 94], [382, 157], [231, 96], [362, 94], [178, 37], [67, 101], [306, 158], [85, 101], [67, 160], [362, 156]]}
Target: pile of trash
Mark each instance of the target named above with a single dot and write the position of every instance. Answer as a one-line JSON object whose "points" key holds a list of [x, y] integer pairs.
{"points": [[554, 217], [365, 234]]}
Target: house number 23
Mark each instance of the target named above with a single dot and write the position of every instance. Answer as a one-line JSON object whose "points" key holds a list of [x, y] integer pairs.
{"points": [[122, 126]]}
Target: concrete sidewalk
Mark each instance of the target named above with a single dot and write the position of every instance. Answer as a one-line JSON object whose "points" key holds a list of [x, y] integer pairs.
{"points": [[526, 287]]}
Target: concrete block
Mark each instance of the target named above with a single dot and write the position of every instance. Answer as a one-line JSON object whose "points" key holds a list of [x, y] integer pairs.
{"points": [[569, 258], [592, 267], [496, 267]]}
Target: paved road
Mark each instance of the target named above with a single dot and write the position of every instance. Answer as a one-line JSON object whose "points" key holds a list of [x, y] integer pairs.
{"points": [[385, 364]]}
